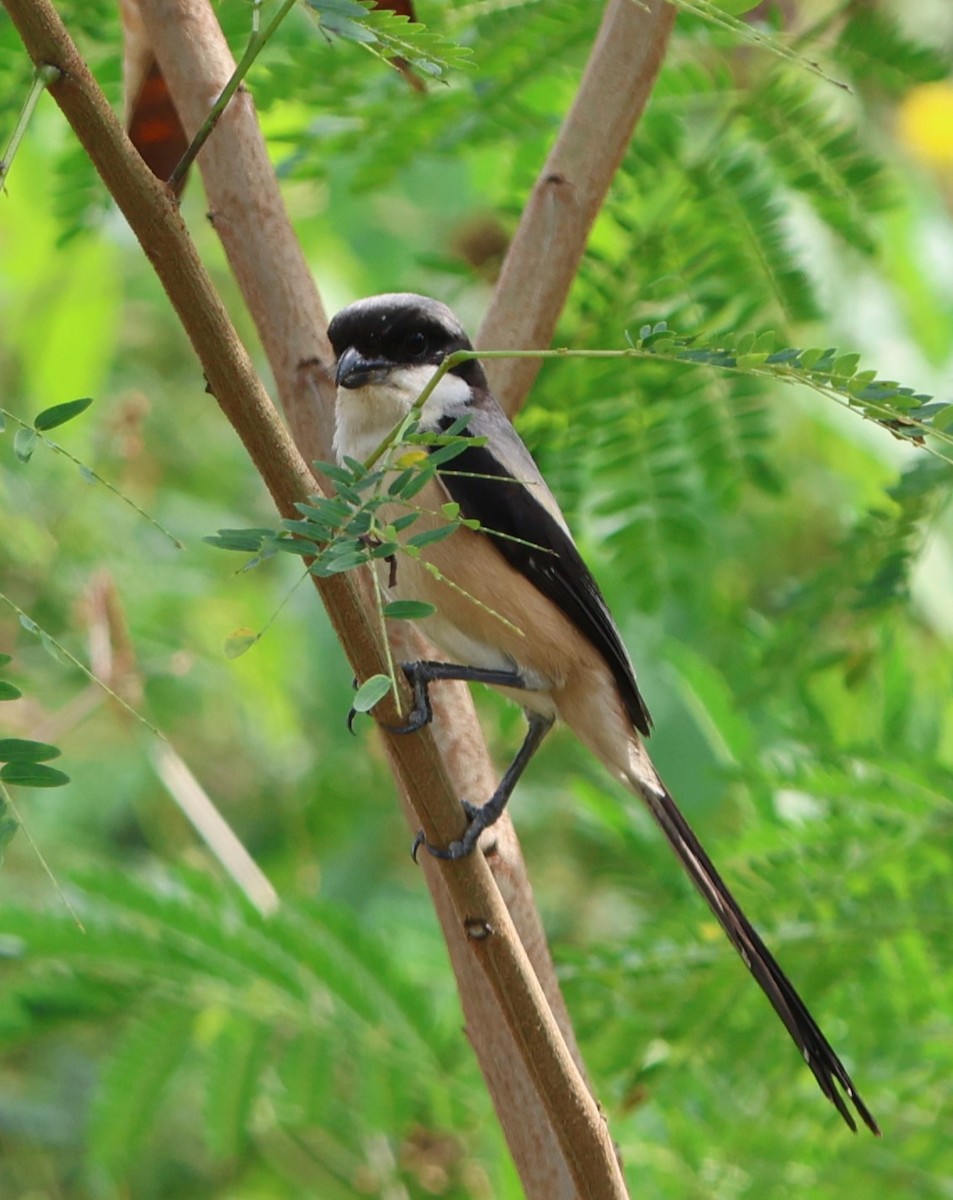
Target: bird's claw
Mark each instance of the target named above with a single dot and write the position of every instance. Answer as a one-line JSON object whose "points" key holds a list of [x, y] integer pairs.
{"points": [[420, 715], [417, 720], [352, 711], [461, 847]]}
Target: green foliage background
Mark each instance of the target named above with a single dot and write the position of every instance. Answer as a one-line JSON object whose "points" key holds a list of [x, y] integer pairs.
{"points": [[781, 570]]}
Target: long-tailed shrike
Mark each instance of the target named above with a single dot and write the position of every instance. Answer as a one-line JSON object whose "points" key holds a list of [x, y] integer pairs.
{"points": [[523, 612]]}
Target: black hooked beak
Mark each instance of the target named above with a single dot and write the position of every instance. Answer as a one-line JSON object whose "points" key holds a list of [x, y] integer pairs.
{"points": [[354, 370]]}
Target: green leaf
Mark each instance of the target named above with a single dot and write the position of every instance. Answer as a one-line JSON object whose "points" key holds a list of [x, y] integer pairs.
{"points": [[144, 1056], [809, 358], [32, 774], [239, 641], [418, 482], [334, 472], [59, 414], [399, 482], [388, 34], [399, 524], [450, 451], [53, 648], [875, 49], [860, 380], [451, 510], [25, 750], [301, 547], [247, 540], [307, 530], [8, 691], [371, 692], [429, 536], [239, 1055], [349, 495], [360, 524], [324, 511], [846, 365], [458, 426], [408, 610], [24, 444], [337, 564], [944, 418], [336, 17], [822, 158]]}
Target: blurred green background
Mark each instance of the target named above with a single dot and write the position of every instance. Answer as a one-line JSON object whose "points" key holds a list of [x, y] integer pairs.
{"points": [[781, 570]]}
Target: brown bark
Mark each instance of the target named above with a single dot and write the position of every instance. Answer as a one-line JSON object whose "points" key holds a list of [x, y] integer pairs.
{"points": [[571, 188]]}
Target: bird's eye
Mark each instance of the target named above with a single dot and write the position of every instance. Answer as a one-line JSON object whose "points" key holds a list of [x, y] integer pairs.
{"points": [[415, 344]]}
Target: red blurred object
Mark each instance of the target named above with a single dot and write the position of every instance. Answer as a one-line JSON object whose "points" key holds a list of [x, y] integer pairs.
{"points": [[154, 126]]}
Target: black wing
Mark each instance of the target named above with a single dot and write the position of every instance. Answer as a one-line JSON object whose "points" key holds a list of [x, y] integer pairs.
{"points": [[545, 553]]}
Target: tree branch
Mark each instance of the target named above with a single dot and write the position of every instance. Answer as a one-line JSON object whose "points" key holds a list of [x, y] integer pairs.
{"points": [[586, 1164], [249, 215], [544, 255]]}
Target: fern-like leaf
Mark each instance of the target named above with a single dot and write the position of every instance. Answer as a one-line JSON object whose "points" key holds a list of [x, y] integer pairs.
{"points": [[875, 51], [389, 34], [822, 159], [147, 1055], [236, 1058], [733, 189]]}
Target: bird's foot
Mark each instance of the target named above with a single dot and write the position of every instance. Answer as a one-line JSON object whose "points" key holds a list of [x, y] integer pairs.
{"points": [[478, 819]]}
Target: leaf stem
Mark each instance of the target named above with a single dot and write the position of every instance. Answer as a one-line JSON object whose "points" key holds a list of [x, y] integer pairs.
{"points": [[825, 383], [43, 76], [89, 473], [42, 860], [31, 626], [256, 43]]}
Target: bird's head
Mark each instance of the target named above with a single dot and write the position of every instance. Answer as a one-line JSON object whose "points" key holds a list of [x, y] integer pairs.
{"points": [[387, 349]]}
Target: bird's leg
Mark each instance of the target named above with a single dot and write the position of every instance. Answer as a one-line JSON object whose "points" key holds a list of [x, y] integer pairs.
{"points": [[422, 674], [482, 817]]}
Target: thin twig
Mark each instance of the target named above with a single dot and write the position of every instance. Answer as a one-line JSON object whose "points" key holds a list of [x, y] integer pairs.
{"points": [[544, 256], [43, 76], [179, 781], [41, 859], [257, 41]]}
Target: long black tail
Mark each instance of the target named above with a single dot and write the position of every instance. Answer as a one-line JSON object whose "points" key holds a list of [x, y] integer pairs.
{"points": [[827, 1067]]}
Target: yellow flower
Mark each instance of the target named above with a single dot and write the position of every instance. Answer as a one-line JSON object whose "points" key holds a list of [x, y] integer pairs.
{"points": [[926, 123]]}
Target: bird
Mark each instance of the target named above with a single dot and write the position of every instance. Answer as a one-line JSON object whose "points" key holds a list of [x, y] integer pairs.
{"points": [[515, 606]]}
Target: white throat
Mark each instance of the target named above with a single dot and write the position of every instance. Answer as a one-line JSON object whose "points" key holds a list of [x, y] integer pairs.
{"points": [[364, 416]]}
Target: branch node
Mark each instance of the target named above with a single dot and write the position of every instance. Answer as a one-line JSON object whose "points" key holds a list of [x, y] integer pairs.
{"points": [[478, 929]]}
